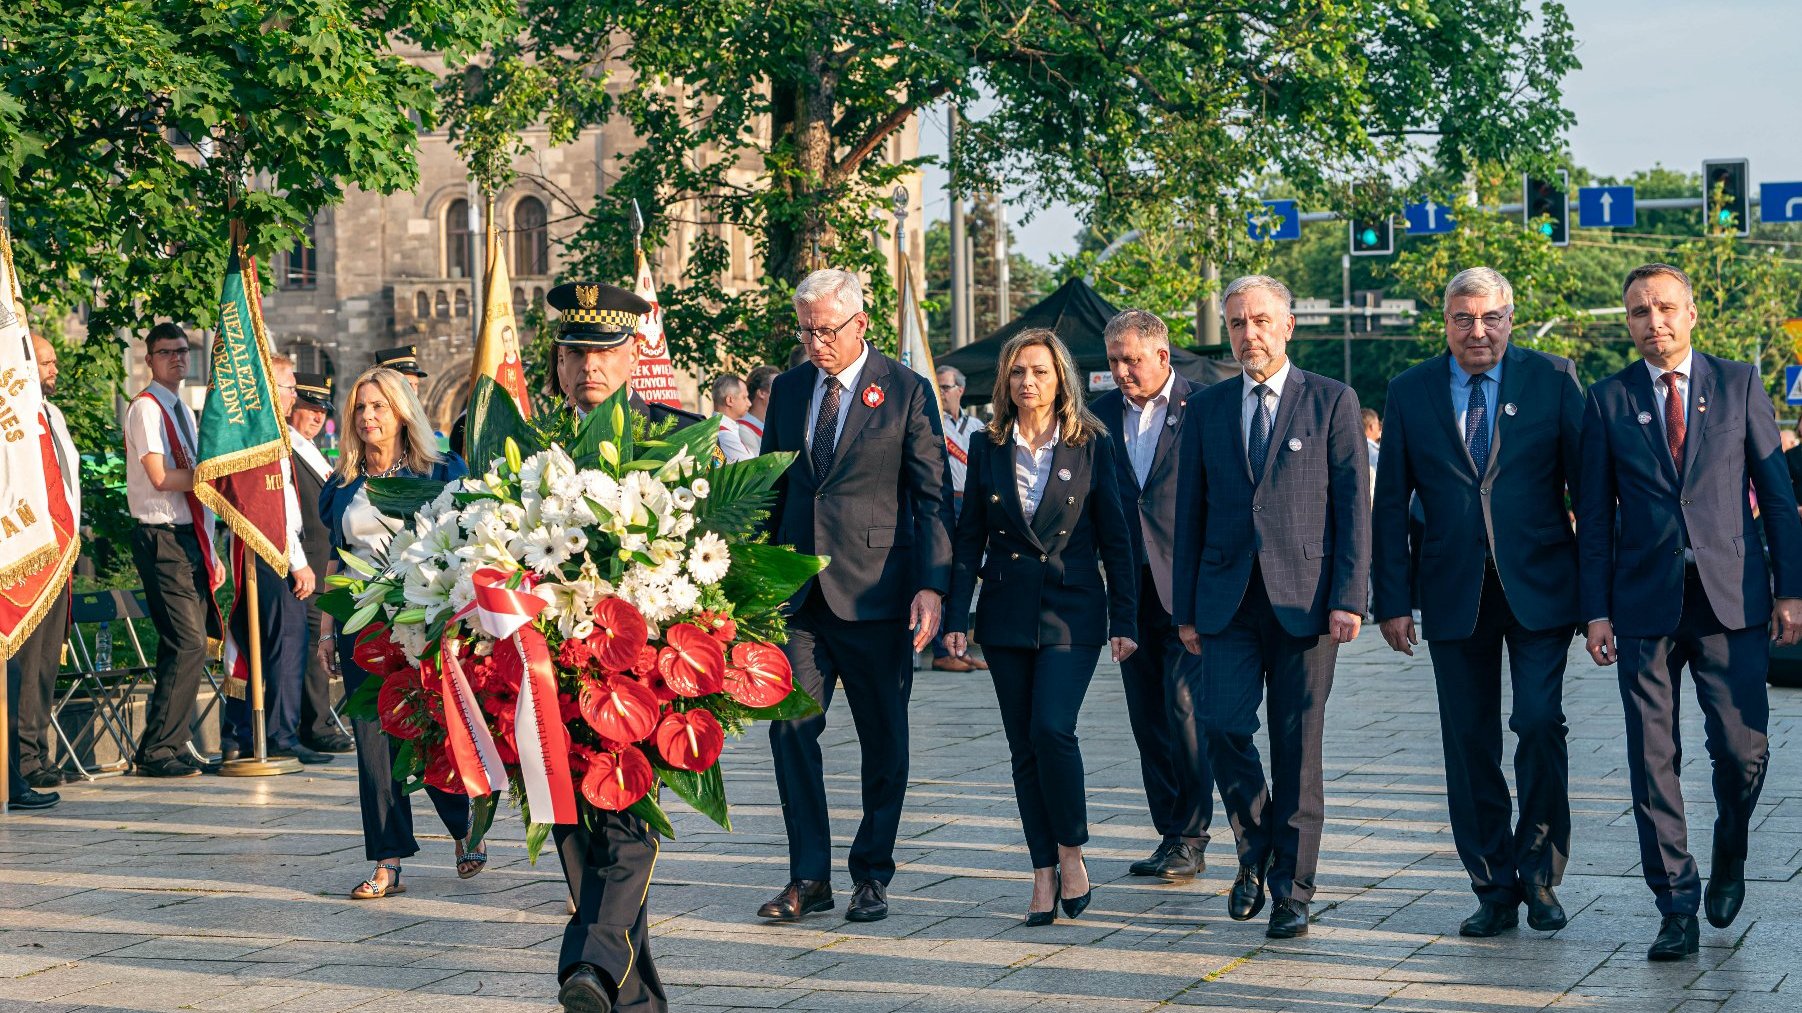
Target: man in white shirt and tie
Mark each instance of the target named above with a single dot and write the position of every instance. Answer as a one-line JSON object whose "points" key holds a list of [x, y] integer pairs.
{"points": [[173, 549]]}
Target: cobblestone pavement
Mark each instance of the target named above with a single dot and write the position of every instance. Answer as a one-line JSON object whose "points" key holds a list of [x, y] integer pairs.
{"points": [[218, 894]]}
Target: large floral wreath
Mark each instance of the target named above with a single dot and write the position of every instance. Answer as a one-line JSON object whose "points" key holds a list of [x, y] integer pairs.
{"points": [[587, 614]]}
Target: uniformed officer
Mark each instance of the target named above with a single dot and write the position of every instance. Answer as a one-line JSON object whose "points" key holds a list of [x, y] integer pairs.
{"points": [[403, 359], [606, 963]]}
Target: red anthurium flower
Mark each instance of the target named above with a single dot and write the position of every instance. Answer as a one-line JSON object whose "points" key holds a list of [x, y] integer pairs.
{"points": [[616, 780], [377, 653], [619, 709], [690, 740], [760, 675], [619, 634], [694, 664], [395, 710]]}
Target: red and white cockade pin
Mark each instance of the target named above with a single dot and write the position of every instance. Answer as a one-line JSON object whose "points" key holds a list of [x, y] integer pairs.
{"points": [[872, 396]]}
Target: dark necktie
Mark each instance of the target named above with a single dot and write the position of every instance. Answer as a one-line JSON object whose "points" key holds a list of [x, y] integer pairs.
{"points": [[1259, 448], [825, 430], [1673, 418], [1476, 425]]}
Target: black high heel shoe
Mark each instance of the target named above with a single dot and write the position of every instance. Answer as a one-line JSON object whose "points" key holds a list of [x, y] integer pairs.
{"points": [[1035, 919], [1074, 906]]}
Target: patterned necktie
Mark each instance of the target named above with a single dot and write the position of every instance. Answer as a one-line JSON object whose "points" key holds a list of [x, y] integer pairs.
{"points": [[825, 429], [1260, 431], [1476, 425], [1673, 418]]}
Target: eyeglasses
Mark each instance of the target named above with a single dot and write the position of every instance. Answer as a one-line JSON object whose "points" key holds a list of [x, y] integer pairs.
{"points": [[823, 335], [950, 386], [286, 386], [1491, 321], [171, 352]]}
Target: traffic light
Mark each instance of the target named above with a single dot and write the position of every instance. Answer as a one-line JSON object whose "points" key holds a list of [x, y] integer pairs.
{"points": [[1548, 198], [1372, 237], [1726, 197]]}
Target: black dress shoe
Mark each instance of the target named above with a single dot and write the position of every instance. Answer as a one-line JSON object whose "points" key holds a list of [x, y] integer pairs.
{"points": [[800, 897], [1491, 919], [1544, 913], [1150, 866], [584, 992], [229, 754], [1182, 862], [869, 902], [32, 800], [337, 742], [309, 757], [1074, 906], [1677, 938], [168, 767], [1247, 896], [1726, 891], [1288, 919], [45, 777]]}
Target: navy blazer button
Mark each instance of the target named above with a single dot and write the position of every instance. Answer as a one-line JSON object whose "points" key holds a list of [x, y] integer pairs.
{"points": [[1042, 558], [1013, 555], [1256, 509], [1069, 499], [994, 498], [1063, 532]]}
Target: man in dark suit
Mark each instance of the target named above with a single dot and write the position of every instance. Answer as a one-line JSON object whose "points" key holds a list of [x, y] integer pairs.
{"points": [[1144, 417], [1672, 565], [1486, 436], [869, 489], [312, 406], [1272, 566]]}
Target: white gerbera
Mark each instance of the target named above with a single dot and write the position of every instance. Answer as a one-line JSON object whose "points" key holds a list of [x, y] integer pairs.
{"points": [[545, 549], [709, 559], [411, 638], [683, 595]]}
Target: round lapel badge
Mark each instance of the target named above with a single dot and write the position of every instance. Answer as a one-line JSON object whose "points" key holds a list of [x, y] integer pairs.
{"points": [[1294, 443], [1645, 418], [872, 396], [1510, 409], [1063, 474]]}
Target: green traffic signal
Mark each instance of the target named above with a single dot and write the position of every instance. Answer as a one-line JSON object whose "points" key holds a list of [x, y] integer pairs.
{"points": [[1368, 237], [1545, 229]]}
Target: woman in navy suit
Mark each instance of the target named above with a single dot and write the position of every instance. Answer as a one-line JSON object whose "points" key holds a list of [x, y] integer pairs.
{"points": [[388, 436], [1041, 518]]}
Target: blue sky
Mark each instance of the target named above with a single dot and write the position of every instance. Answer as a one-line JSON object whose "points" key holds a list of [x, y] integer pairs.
{"points": [[1662, 82]]}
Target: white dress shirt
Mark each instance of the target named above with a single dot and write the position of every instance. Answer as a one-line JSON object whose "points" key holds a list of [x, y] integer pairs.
{"points": [[1250, 403], [847, 379], [310, 456], [959, 430], [1144, 425], [750, 433], [1032, 470], [732, 444], [144, 435]]}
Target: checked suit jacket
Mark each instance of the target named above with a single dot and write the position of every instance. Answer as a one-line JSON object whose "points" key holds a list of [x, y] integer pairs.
{"points": [[883, 510], [1305, 522]]}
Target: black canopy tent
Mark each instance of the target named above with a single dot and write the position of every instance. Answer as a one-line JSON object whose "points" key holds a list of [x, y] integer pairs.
{"points": [[1079, 316]]}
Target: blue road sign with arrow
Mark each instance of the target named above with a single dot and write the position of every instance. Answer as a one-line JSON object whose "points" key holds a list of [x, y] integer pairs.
{"points": [[1605, 207], [1780, 202], [1428, 219], [1280, 220], [1792, 384]]}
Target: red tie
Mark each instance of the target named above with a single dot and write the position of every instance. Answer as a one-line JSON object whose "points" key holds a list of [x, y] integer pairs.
{"points": [[1673, 418]]}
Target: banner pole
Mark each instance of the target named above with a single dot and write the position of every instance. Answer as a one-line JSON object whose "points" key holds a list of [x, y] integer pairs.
{"points": [[6, 746]]}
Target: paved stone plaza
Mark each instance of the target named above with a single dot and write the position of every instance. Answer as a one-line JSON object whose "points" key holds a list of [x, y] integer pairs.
{"points": [[218, 894]]}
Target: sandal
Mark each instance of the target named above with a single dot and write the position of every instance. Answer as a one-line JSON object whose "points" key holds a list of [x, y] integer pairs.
{"points": [[470, 863], [369, 889]]}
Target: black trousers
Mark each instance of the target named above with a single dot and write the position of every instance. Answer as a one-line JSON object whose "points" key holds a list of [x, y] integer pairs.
{"points": [[1160, 706], [387, 812], [1502, 860], [33, 667], [176, 589], [1254, 659], [1040, 690], [609, 873], [316, 685], [283, 629], [874, 660], [1729, 668]]}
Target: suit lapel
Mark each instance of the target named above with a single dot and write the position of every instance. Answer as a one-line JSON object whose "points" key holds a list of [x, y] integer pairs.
{"points": [[1508, 393], [1115, 421], [1173, 421], [1446, 411], [1001, 478], [1644, 402], [1285, 410], [1234, 410], [1065, 460], [856, 410], [792, 424], [1703, 391]]}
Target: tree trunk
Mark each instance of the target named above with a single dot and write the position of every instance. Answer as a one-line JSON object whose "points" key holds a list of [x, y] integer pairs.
{"points": [[800, 234]]}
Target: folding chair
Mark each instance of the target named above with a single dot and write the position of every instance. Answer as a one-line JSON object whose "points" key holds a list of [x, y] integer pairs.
{"points": [[96, 678]]}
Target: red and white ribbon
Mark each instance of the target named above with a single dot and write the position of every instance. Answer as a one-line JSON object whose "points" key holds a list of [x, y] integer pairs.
{"points": [[506, 614], [472, 749]]}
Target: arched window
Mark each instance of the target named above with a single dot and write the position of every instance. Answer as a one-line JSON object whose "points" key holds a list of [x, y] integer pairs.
{"points": [[456, 239], [441, 305], [422, 306], [531, 239], [462, 301], [519, 302], [310, 358], [537, 295]]}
